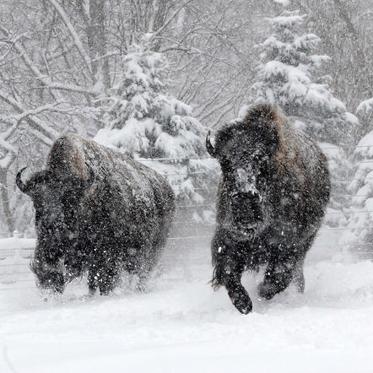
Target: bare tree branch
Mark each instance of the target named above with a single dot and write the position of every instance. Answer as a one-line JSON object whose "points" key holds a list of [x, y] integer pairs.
{"points": [[73, 33]]}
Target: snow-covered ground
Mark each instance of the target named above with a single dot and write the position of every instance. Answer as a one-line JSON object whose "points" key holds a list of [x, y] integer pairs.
{"points": [[181, 325]]}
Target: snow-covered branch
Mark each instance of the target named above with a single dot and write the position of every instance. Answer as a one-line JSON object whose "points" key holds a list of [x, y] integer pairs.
{"points": [[37, 124], [46, 80], [54, 107]]}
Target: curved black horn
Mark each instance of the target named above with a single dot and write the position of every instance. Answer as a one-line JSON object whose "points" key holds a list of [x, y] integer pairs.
{"points": [[209, 147], [20, 184]]}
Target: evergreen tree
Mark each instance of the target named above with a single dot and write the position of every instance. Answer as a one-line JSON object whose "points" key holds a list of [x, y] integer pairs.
{"points": [[365, 113], [141, 118], [288, 75]]}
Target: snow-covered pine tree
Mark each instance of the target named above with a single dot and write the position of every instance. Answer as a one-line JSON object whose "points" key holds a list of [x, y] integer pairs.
{"points": [[365, 113], [142, 118], [288, 74]]}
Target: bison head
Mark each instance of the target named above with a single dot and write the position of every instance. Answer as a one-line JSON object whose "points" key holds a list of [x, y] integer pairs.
{"points": [[56, 202], [245, 151]]}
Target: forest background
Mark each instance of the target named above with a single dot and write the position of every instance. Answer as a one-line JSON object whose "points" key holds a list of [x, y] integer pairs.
{"points": [[150, 77]]}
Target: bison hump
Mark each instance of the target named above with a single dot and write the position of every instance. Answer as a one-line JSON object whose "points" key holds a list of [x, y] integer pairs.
{"points": [[67, 159], [265, 113]]}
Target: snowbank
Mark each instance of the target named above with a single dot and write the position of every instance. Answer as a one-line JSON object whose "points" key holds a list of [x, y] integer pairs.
{"points": [[181, 325]]}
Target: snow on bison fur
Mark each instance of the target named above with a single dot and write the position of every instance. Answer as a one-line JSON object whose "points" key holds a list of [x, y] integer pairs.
{"points": [[97, 211], [271, 200]]}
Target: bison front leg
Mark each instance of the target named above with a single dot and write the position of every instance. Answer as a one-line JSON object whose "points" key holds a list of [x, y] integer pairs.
{"points": [[238, 294], [278, 275], [92, 281], [228, 272], [103, 276], [108, 279]]}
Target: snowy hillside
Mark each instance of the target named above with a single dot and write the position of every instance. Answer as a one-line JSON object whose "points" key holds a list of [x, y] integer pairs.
{"points": [[181, 325]]}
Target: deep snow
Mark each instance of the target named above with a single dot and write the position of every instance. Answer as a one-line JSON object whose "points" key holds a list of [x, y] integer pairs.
{"points": [[181, 325]]}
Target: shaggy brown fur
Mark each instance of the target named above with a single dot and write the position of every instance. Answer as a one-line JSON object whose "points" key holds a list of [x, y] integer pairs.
{"points": [[271, 201], [97, 211]]}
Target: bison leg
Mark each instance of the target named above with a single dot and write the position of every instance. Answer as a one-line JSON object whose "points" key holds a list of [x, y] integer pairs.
{"points": [[298, 272], [298, 276], [278, 276], [282, 269], [108, 278], [228, 272], [105, 277], [92, 281], [238, 294]]}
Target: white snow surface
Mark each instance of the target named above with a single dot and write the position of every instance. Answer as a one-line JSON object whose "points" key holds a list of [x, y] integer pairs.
{"points": [[182, 325]]}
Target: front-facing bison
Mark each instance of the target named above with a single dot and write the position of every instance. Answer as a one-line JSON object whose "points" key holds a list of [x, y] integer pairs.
{"points": [[272, 197], [97, 211]]}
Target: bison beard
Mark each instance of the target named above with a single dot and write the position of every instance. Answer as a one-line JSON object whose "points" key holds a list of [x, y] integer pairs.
{"points": [[271, 200], [97, 211]]}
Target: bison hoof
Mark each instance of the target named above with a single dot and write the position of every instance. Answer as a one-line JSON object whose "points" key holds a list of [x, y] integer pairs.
{"points": [[266, 291], [241, 301]]}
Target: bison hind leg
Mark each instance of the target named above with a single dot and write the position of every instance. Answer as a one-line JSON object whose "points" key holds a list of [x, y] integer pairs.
{"points": [[298, 277]]}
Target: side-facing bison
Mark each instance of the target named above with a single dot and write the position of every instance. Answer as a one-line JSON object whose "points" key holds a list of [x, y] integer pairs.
{"points": [[271, 200], [97, 211]]}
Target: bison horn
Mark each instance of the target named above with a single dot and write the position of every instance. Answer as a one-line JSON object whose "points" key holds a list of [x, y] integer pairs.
{"points": [[209, 146], [40, 177], [20, 184]]}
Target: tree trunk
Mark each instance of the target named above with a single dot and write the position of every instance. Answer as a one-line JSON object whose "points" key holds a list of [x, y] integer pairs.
{"points": [[97, 42]]}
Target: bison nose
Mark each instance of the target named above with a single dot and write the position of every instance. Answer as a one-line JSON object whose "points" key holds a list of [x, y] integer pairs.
{"points": [[245, 181], [246, 210]]}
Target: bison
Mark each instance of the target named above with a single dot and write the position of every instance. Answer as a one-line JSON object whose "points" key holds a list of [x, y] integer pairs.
{"points": [[97, 211], [271, 201]]}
